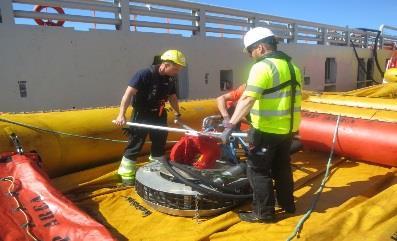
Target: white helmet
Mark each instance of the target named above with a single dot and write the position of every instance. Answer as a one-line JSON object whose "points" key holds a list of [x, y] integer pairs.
{"points": [[256, 34]]}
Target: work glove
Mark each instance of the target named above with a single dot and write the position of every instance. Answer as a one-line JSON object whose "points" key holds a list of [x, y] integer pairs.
{"points": [[227, 132]]}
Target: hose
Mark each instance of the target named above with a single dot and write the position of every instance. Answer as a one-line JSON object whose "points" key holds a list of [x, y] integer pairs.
{"points": [[360, 64], [205, 180], [226, 192], [201, 189], [374, 53]]}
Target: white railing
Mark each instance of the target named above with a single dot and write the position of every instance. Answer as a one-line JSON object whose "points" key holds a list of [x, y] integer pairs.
{"points": [[187, 19]]}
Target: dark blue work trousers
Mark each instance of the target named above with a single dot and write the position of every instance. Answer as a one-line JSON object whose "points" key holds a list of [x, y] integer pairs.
{"points": [[137, 135], [268, 160]]}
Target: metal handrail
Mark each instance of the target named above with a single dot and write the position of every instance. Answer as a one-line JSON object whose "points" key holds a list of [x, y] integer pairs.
{"points": [[69, 17], [155, 12], [201, 19], [99, 6]]}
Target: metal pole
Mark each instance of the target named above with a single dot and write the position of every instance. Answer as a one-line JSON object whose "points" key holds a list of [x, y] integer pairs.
{"points": [[185, 131], [162, 128]]}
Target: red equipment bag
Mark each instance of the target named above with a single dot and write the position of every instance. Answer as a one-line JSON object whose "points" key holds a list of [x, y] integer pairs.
{"points": [[189, 148], [32, 209]]}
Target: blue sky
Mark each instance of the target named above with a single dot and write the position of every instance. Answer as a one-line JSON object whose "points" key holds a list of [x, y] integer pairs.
{"points": [[355, 13]]}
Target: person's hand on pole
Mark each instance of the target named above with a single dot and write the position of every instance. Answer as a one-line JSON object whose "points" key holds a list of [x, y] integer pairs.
{"points": [[225, 121], [227, 132], [120, 120]]}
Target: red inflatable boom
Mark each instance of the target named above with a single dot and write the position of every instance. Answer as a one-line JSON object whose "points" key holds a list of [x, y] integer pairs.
{"points": [[367, 140], [32, 209]]}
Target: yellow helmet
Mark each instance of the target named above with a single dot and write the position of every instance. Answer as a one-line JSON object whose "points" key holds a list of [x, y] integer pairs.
{"points": [[391, 75], [175, 56]]}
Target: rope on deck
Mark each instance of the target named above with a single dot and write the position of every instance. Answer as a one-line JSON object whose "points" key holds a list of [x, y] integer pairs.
{"points": [[299, 226], [65, 133], [59, 132]]}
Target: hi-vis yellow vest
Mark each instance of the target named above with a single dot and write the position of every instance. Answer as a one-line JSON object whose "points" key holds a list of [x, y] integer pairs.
{"points": [[269, 82]]}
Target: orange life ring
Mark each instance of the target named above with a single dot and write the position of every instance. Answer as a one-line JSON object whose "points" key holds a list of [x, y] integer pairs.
{"points": [[57, 23]]}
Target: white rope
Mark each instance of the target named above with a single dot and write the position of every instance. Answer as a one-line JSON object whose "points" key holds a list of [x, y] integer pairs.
{"points": [[60, 132], [36, 128], [299, 226]]}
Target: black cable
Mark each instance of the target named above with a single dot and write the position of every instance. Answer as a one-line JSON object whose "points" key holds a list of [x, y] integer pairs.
{"points": [[204, 190], [375, 53], [360, 64], [296, 145], [204, 179]]}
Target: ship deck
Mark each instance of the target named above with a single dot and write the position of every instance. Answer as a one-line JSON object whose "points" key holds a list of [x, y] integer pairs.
{"points": [[356, 204]]}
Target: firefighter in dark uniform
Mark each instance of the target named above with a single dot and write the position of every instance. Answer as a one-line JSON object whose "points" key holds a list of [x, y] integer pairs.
{"points": [[149, 89]]}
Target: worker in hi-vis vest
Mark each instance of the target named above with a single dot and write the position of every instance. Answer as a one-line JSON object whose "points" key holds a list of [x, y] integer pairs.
{"points": [[272, 97], [149, 89]]}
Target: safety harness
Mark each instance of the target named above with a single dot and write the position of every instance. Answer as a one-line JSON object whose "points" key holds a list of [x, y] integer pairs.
{"points": [[292, 82]]}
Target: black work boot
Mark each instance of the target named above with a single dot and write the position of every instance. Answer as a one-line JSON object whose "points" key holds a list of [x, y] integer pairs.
{"points": [[252, 218]]}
